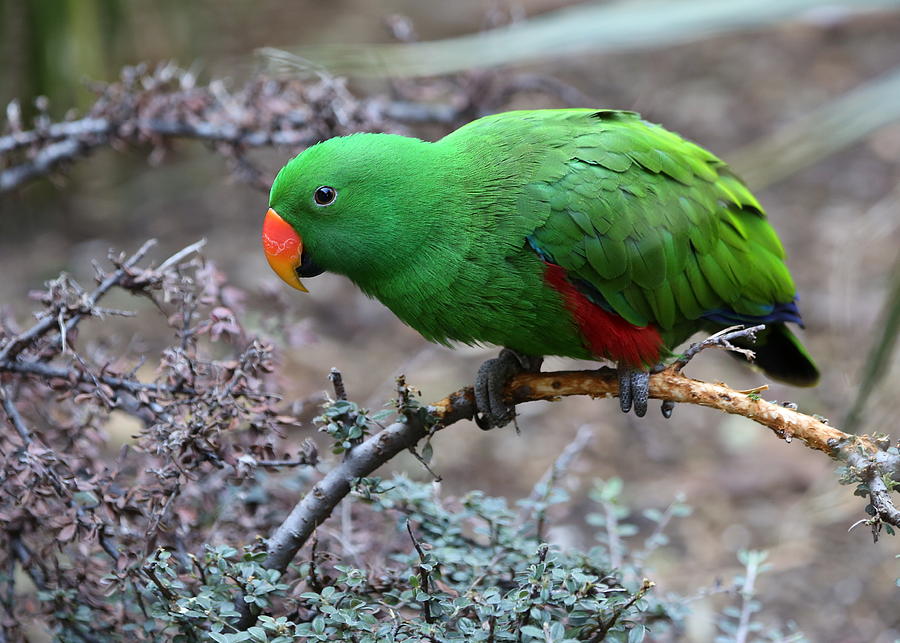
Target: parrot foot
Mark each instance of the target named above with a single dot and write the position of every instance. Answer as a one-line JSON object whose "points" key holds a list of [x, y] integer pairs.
{"points": [[492, 411], [634, 390]]}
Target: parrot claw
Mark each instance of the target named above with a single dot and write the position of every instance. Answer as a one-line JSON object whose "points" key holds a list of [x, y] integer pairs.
{"points": [[492, 411], [667, 407]]}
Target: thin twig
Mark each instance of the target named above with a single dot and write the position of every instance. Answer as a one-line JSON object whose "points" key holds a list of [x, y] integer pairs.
{"points": [[544, 488], [424, 577], [79, 375], [524, 615], [167, 593], [56, 131], [299, 462], [607, 625], [14, 416], [113, 279], [418, 456], [652, 542], [185, 252], [743, 627], [722, 340], [613, 542], [337, 381], [314, 581], [23, 340]]}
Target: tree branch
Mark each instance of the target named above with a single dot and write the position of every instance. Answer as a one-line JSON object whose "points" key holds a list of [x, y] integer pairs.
{"points": [[166, 103], [15, 418], [18, 343], [788, 424], [76, 374], [64, 317]]}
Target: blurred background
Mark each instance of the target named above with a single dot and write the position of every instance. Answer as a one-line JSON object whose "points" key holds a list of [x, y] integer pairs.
{"points": [[839, 219]]}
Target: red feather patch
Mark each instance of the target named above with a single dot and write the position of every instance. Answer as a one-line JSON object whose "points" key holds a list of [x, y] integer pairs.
{"points": [[607, 335]]}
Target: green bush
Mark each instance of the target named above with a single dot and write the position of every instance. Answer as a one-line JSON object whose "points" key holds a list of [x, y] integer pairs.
{"points": [[467, 569]]}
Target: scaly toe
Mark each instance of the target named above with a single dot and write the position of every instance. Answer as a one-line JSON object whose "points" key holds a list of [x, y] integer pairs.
{"points": [[624, 389], [482, 394], [640, 387]]}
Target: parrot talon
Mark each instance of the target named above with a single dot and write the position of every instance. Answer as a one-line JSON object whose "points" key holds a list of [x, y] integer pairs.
{"points": [[667, 407], [492, 411], [624, 389], [634, 390]]}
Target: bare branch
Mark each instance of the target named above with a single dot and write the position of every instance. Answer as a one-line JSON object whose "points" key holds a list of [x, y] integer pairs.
{"points": [[43, 162], [79, 375], [15, 418], [18, 343], [316, 506], [164, 104], [614, 543], [79, 128], [182, 254], [722, 340]]}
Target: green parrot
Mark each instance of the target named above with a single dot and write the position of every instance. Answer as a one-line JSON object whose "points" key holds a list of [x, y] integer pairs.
{"points": [[584, 233]]}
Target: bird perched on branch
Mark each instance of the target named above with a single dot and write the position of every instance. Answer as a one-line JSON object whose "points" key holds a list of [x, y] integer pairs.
{"points": [[582, 233]]}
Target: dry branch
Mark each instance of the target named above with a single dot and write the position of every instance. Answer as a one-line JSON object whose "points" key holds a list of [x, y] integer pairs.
{"points": [[870, 457], [51, 321], [60, 493], [668, 385], [155, 107], [151, 107]]}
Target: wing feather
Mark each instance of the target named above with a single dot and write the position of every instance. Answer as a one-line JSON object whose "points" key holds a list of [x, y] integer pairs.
{"points": [[656, 227]]}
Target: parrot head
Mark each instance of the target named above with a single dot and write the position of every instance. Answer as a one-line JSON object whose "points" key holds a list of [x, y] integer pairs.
{"points": [[345, 205]]}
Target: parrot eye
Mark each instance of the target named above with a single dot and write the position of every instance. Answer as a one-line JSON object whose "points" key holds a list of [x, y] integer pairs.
{"points": [[325, 195]]}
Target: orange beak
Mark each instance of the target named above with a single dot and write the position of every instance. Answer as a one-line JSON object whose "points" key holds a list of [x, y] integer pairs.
{"points": [[283, 248]]}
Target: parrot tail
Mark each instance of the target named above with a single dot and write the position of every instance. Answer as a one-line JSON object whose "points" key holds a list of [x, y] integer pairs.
{"points": [[781, 355]]}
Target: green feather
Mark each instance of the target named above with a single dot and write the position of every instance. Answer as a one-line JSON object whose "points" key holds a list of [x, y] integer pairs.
{"points": [[609, 260], [684, 297], [647, 259]]}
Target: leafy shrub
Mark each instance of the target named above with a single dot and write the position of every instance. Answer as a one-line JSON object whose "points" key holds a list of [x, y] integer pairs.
{"points": [[467, 569]]}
